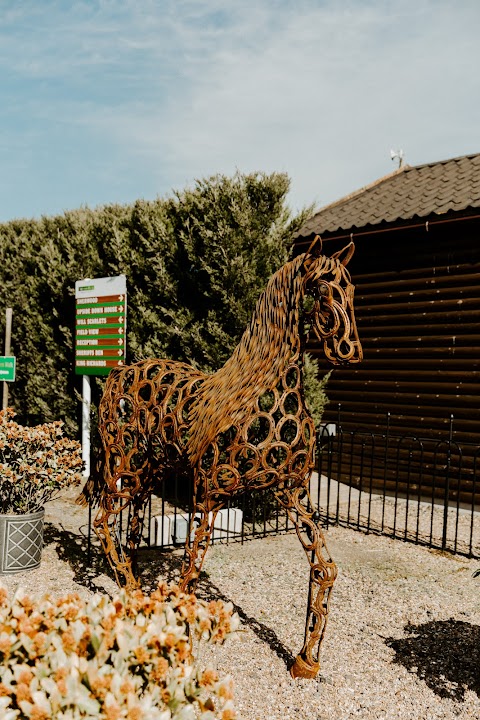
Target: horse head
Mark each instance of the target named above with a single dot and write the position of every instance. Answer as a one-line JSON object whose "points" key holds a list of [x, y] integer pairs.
{"points": [[332, 316]]}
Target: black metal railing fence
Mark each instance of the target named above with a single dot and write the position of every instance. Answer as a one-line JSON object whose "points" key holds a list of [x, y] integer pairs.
{"points": [[416, 489]]}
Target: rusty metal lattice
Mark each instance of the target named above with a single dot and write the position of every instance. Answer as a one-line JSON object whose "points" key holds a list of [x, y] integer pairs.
{"points": [[242, 428]]}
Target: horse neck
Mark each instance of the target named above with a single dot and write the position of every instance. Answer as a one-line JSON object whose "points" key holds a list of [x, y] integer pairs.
{"points": [[272, 341], [268, 346]]}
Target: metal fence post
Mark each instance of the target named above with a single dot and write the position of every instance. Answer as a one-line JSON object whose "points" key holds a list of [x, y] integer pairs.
{"points": [[447, 484]]}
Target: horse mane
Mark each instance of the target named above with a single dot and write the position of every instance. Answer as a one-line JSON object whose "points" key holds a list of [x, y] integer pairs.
{"points": [[270, 344]]}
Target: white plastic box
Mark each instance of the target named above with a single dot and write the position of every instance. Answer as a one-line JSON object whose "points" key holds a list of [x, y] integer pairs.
{"points": [[173, 528]]}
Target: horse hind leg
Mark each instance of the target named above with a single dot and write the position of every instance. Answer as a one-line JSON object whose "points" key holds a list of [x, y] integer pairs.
{"points": [[126, 490], [323, 572], [108, 528]]}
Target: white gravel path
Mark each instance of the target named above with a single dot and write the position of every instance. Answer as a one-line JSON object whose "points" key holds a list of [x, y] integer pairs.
{"points": [[403, 640], [384, 587]]}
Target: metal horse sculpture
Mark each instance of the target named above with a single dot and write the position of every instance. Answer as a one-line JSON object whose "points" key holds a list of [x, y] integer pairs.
{"points": [[242, 428]]}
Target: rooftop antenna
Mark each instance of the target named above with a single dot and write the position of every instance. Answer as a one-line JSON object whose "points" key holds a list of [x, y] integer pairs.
{"points": [[397, 155]]}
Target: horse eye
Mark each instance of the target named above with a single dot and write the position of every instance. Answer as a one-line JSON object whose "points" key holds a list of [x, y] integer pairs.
{"points": [[323, 289]]}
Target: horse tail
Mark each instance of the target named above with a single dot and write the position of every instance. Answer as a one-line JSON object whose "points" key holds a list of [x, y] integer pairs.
{"points": [[84, 498]]}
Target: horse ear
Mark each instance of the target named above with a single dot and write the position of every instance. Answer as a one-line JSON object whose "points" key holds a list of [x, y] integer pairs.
{"points": [[345, 254], [315, 248]]}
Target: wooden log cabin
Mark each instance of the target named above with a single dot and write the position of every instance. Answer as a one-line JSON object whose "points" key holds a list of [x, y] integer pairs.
{"points": [[416, 270]]}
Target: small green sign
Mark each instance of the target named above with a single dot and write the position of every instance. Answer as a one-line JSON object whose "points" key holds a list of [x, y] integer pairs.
{"points": [[7, 368]]}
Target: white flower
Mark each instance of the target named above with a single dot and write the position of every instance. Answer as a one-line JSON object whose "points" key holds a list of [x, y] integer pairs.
{"points": [[7, 713]]}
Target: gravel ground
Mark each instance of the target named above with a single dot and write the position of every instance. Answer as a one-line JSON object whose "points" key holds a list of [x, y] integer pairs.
{"points": [[403, 639]]}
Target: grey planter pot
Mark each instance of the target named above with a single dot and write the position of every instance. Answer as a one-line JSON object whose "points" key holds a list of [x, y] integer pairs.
{"points": [[21, 542]]}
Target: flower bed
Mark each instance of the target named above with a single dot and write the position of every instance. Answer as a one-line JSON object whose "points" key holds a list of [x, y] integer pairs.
{"points": [[127, 658]]}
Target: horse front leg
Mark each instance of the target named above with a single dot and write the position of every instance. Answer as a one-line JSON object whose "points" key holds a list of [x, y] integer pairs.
{"points": [[323, 572], [196, 549]]}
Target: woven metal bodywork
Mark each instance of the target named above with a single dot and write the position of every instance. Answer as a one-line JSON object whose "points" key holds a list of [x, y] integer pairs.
{"points": [[242, 428]]}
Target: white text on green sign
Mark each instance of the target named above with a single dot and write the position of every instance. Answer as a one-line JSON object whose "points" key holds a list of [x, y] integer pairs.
{"points": [[7, 368], [100, 325]]}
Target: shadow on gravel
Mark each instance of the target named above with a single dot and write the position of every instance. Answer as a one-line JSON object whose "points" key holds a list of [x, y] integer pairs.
{"points": [[72, 548], [168, 565], [445, 654]]}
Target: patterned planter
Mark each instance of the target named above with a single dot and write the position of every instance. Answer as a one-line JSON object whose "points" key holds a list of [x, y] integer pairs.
{"points": [[21, 542]]}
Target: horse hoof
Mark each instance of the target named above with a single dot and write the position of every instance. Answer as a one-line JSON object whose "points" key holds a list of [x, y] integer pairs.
{"points": [[301, 669]]}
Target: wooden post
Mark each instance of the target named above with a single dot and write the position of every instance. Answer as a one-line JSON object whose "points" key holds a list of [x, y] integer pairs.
{"points": [[8, 339]]}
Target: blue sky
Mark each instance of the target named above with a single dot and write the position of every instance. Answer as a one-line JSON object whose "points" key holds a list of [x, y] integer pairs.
{"points": [[107, 101]]}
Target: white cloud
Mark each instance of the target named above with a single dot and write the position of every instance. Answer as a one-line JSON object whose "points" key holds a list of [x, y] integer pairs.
{"points": [[327, 94], [184, 88]]}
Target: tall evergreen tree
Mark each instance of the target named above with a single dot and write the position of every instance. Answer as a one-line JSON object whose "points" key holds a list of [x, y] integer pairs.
{"points": [[195, 265]]}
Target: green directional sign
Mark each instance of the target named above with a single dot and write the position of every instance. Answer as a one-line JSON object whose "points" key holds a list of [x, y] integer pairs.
{"points": [[100, 325], [7, 368]]}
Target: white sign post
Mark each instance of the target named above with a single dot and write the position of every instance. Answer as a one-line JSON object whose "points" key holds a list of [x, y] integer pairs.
{"points": [[86, 404]]}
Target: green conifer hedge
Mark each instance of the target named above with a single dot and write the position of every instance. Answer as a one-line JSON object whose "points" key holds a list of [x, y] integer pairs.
{"points": [[195, 264]]}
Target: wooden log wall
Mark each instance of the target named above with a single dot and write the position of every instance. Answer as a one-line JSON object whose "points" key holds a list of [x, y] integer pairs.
{"points": [[417, 305]]}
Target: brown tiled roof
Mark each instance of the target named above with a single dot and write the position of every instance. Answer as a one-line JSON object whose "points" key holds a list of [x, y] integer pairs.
{"points": [[406, 193]]}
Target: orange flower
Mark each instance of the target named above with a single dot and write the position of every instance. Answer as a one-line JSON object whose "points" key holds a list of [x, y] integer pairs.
{"points": [[141, 655], [26, 676], [135, 713], [208, 678], [5, 645], [112, 712], [59, 678], [228, 714], [37, 713], [71, 613], [68, 641], [108, 623], [190, 614], [84, 643], [183, 651], [40, 643], [23, 692], [225, 691], [170, 641], [101, 685], [26, 626], [205, 625], [127, 687]]}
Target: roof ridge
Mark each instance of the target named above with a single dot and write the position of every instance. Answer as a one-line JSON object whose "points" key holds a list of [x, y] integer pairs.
{"points": [[390, 176], [369, 186], [409, 191], [444, 162]]}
